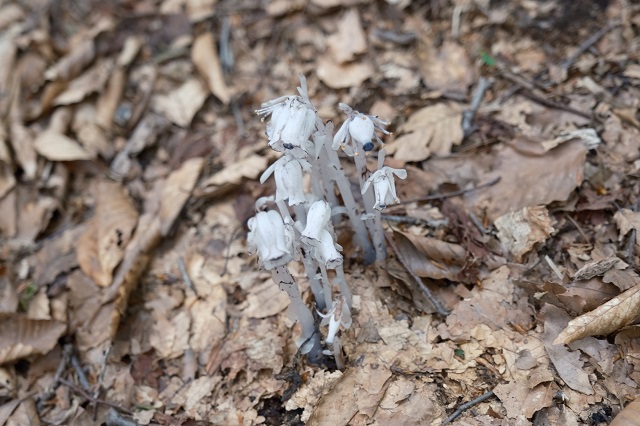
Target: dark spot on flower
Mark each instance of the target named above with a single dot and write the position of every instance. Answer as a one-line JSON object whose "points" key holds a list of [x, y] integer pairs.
{"points": [[368, 146], [287, 145]]}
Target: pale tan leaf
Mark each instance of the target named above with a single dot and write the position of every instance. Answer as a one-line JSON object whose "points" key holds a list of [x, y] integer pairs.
{"points": [[8, 52], [431, 257], [624, 279], [567, 363], [177, 190], [527, 180], [181, 105], [21, 337], [23, 147], [613, 315], [626, 220], [342, 76], [433, 129], [231, 176], [7, 179], [73, 63], [204, 55], [629, 416], [55, 146], [446, 67], [350, 39], [92, 81], [520, 231]]}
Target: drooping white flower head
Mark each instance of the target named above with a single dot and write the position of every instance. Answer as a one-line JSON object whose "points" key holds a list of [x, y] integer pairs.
{"points": [[293, 121], [271, 239], [318, 218], [326, 251], [384, 186], [288, 174], [338, 315], [360, 129]]}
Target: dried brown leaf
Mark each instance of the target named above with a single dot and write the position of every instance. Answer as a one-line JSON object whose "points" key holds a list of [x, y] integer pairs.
{"points": [[176, 191], [527, 181], [599, 268], [629, 416], [431, 257], [433, 129], [23, 147], [204, 55], [55, 146], [613, 315], [102, 246], [182, 104], [626, 220], [446, 67], [8, 50], [91, 81], [73, 63], [520, 231], [567, 363], [624, 279], [21, 337], [339, 76], [350, 39], [231, 176]]}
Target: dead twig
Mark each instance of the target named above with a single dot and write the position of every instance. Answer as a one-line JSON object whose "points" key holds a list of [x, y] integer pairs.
{"points": [[81, 392], [452, 194], [185, 276], [115, 419], [465, 406], [584, 46], [478, 95], [528, 90], [425, 290], [51, 390], [82, 377]]}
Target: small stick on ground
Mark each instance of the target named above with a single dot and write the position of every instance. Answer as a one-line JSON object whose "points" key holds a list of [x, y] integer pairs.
{"points": [[586, 45], [466, 405], [452, 194], [82, 377], [425, 290], [78, 390], [115, 419], [478, 95], [185, 276]]}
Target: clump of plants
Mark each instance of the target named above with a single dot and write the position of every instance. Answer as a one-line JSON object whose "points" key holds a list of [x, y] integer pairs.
{"points": [[297, 224]]}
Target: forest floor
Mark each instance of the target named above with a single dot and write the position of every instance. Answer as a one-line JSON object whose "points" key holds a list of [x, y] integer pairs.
{"points": [[130, 155]]}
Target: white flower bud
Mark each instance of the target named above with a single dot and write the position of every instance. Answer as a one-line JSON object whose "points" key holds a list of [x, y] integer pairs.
{"points": [[268, 236], [361, 130], [384, 186], [317, 219], [292, 123], [325, 252]]}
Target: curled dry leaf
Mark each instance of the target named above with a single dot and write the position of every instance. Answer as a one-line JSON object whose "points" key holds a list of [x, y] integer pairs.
{"points": [[527, 180], [629, 416], [613, 315], [21, 336], [181, 105], [520, 231], [431, 257], [567, 363], [626, 220], [102, 246], [433, 129], [350, 40], [204, 55], [596, 269], [55, 146]]}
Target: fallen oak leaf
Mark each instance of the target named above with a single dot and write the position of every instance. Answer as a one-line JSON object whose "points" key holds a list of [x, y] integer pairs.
{"points": [[611, 316], [21, 336]]}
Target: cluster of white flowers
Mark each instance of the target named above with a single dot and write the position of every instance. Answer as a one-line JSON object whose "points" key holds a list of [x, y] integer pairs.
{"points": [[298, 225]]}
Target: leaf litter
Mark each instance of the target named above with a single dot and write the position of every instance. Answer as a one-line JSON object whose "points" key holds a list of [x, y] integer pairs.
{"points": [[129, 156]]}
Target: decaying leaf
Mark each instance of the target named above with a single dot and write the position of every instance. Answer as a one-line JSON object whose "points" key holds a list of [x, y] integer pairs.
{"points": [[433, 129], [204, 55], [527, 180], [230, 177], [629, 416], [431, 257], [613, 315], [182, 104], [350, 40], [176, 191], [626, 220], [596, 269], [101, 247], [567, 363], [21, 336], [446, 67], [55, 146], [340, 76], [520, 231]]}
